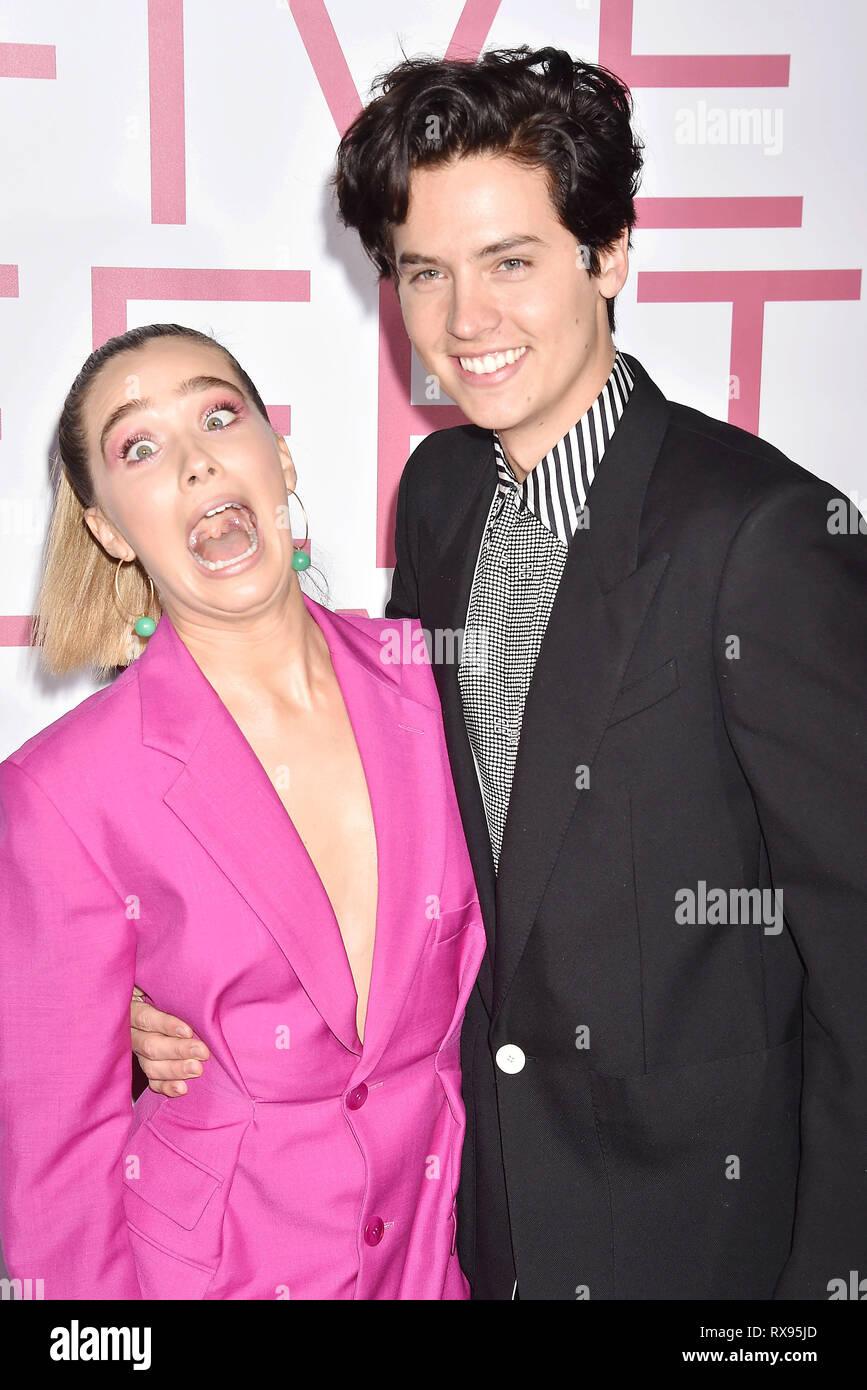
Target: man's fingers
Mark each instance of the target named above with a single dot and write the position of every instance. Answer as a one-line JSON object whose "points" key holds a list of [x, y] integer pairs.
{"points": [[155, 1047], [149, 1019], [166, 1078], [168, 1088], [163, 1059], [166, 1047]]}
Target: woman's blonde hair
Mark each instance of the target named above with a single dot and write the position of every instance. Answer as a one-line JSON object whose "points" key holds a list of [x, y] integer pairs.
{"points": [[77, 623]]}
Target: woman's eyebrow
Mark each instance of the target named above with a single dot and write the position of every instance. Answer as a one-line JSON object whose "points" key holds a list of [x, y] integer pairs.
{"points": [[186, 388], [204, 383]]}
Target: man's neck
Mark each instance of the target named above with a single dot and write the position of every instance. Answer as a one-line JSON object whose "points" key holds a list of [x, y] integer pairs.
{"points": [[527, 444]]}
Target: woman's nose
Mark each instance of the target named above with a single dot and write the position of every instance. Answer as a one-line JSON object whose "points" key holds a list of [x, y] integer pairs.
{"points": [[199, 464]]}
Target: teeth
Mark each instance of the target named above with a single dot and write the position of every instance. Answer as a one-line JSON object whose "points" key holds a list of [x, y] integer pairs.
{"points": [[222, 507], [251, 532], [222, 564], [492, 361]]}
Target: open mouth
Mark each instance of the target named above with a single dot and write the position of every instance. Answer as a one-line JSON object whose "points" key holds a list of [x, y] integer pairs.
{"points": [[224, 535]]}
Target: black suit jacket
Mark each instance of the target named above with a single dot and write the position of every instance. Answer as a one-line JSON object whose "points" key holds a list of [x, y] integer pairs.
{"points": [[690, 1119]]}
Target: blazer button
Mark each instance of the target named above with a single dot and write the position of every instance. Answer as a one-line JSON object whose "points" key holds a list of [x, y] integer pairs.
{"points": [[510, 1058], [374, 1231], [357, 1096]]}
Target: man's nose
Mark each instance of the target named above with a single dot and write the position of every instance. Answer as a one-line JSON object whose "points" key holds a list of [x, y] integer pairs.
{"points": [[472, 312]]}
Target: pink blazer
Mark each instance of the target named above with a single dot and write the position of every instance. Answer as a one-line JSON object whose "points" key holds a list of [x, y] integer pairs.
{"points": [[142, 841]]}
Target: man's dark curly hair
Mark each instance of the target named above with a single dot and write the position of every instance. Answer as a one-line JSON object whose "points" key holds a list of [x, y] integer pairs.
{"points": [[571, 118]]}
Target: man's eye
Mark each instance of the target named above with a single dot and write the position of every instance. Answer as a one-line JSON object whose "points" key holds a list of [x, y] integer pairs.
{"points": [[423, 273], [513, 261]]}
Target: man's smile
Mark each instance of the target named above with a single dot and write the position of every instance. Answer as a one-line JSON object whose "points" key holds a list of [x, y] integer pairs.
{"points": [[490, 368]]}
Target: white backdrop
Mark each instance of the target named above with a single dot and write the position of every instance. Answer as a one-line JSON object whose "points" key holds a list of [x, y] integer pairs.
{"points": [[169, 161]]}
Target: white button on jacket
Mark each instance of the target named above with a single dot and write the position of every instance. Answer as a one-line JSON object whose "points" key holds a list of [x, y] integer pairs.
{"points": [[510, 1058]]}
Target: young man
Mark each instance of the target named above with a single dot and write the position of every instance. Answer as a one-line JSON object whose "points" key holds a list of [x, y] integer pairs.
{"points": [[656, 729]]}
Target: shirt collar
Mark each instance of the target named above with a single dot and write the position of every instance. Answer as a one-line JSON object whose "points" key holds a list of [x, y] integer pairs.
{"points": [[556, 489]]}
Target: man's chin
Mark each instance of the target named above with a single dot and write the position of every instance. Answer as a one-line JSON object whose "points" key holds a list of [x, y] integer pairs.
{"points": [[490, 414], [489, 409]]}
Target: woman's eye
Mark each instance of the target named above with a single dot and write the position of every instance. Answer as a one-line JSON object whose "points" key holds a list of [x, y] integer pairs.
{"points": [[214, 422], [138, 450]]}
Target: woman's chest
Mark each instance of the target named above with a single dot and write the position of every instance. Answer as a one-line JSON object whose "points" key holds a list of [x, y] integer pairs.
{"points": [[317, 773]]}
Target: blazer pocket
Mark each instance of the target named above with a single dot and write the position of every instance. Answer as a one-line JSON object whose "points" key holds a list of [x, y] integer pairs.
{"points": [[173, 1182], [451, 923], [646, 691], [701, 1164], [162, 1274]]}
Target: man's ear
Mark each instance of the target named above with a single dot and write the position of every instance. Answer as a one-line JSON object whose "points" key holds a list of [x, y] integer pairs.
{"points": [[289, 475], [103, 531], [614, 266]]}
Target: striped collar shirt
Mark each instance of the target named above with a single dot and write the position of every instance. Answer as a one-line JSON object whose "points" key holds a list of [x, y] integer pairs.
{"points": [[556, 489], [521, 559]]}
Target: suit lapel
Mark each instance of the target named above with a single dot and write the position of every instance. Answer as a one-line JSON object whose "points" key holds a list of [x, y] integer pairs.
{"points": [[255, 844], [603, 598], [444, 609], [601, 604]]}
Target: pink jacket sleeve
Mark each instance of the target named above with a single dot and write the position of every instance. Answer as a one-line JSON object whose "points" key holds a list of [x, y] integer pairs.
{"points": [[67, 965]]}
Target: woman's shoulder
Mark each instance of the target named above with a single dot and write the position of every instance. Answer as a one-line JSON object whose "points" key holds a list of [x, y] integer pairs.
{"points": [[73, 742], [404, 646]]}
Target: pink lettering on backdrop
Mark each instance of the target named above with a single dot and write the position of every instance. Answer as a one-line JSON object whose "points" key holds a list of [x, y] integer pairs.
{"points": [[114, 286], [15, 631], [694, 70], [398, 419], [472, 29], [327, 60], [166, 95], [280, 417], [666, 214], [747, 291], [28, 60], [680, 70], [23, 60], [8, 290]]}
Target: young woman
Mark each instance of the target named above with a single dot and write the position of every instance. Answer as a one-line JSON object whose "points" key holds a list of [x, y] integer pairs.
{"points": [[255, 822]]}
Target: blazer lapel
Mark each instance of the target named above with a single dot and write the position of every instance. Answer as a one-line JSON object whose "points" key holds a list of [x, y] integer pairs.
{"points": [[399, 744], [255, 843], [444, 603], [601, 603]]}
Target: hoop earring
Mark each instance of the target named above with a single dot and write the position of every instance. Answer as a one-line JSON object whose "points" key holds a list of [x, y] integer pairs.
{"points": [[300, 558], [142, 625]]}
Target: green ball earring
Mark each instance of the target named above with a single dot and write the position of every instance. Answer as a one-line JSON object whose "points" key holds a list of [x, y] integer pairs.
{"points": [[143, 625], [300, 558]]}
